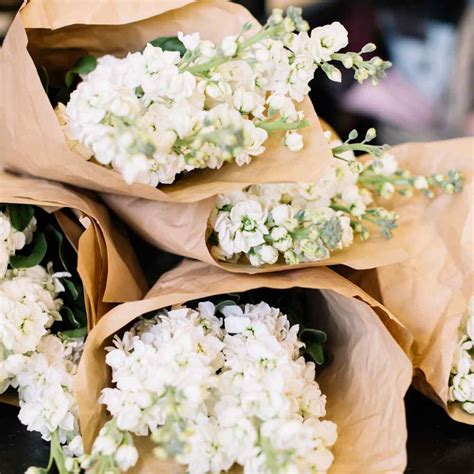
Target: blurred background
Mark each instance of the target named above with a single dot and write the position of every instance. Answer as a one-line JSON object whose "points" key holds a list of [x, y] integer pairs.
{"points": [[428, 93]]}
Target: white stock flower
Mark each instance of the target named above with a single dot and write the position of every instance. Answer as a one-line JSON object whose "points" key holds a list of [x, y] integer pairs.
{"points": [[461, 386], [294, 141], [216, 397]]}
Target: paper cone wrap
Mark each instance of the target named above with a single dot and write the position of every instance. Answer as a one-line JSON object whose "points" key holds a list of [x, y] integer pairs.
{"points": [[365, 383]]}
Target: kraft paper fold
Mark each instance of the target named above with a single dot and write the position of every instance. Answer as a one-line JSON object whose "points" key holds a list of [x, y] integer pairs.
{"points": [[365, 384], [430, 292], [33, 140], [106, 261], [183, 228]]}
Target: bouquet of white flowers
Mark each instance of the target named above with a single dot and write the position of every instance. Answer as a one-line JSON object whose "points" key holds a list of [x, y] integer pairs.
{"points": [[216, 378], [430, 291], [461, 385], [348, 216], [184, 103], [145, 110], [52, 287]]}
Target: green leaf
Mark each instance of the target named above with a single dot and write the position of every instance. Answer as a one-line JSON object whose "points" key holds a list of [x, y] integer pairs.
{"points": [[71, 288], [313, 335], [315, 351], [20, 215], [37, 254], [169, 43], [68, 314], [75, 333], [84, 65], [58, 236], [44, 78]]}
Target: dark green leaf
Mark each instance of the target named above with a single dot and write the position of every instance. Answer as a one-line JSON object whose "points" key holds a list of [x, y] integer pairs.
{"points": [[169, 43], [44, 78], [58, 236], [71, 288], [315, 351], [75, 333], [84, 65], [35, 257], [68, 314], [313, 335], [20, 215]]}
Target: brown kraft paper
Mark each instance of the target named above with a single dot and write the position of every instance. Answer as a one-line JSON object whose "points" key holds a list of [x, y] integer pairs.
{"points": [[365, 384], [56, 33], [430, 292], [106, 261]]}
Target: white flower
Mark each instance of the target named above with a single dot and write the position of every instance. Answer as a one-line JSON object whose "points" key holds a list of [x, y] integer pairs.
{"points": [[191, 42], [126, 456], [294, 141], [388, 164], [229, 46], [420, 182], [461, 386], [325, 41]]}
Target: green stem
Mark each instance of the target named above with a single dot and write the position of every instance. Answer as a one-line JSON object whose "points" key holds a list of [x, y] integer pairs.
{"points": [[279, 125], [57, 453]]}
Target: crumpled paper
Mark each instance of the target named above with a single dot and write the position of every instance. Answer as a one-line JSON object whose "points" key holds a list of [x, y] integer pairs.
{"points": [[55, 33], [365, 383], [430, 292], [106, 261]]}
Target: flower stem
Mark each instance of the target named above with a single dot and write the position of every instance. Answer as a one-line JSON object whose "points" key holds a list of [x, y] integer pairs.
{"points": [[277, 125]]}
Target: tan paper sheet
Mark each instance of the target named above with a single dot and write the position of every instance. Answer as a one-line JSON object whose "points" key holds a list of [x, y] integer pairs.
{"points": [[32, 139], [365, 384], [106, 260]]}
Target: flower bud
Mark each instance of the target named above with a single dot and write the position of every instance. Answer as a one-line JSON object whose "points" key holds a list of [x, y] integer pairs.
{"points": [[294, 141]]}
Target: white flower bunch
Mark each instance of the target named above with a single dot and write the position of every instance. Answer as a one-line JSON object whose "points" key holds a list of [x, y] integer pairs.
{"points": [[296, 223], [12, 240], [29, 305], [461, 386], [157, 113], [216, 396]]}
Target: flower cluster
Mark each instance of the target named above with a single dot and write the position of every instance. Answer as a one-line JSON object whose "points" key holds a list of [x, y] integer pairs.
{"points": [[216, 393], [461, 385], [39, 365], [307, 222], [12, 240], [157, 113]]}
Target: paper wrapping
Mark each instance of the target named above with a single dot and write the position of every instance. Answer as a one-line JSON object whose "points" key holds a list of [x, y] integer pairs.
{"points": [[106, 261], [364, 384], [430, 292], [183, 229], [56, 33]]}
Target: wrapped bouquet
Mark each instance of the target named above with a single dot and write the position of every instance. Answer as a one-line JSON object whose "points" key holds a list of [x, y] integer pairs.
{"points": [[134, 108], [430, 292], [212, 377], [348, 216], [57, 255]]}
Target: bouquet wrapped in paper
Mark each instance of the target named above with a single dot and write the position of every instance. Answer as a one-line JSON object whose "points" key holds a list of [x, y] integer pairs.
{"points": [[432, 291], [171, 101], [62, 266], [349, 216], [215, 372]]}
